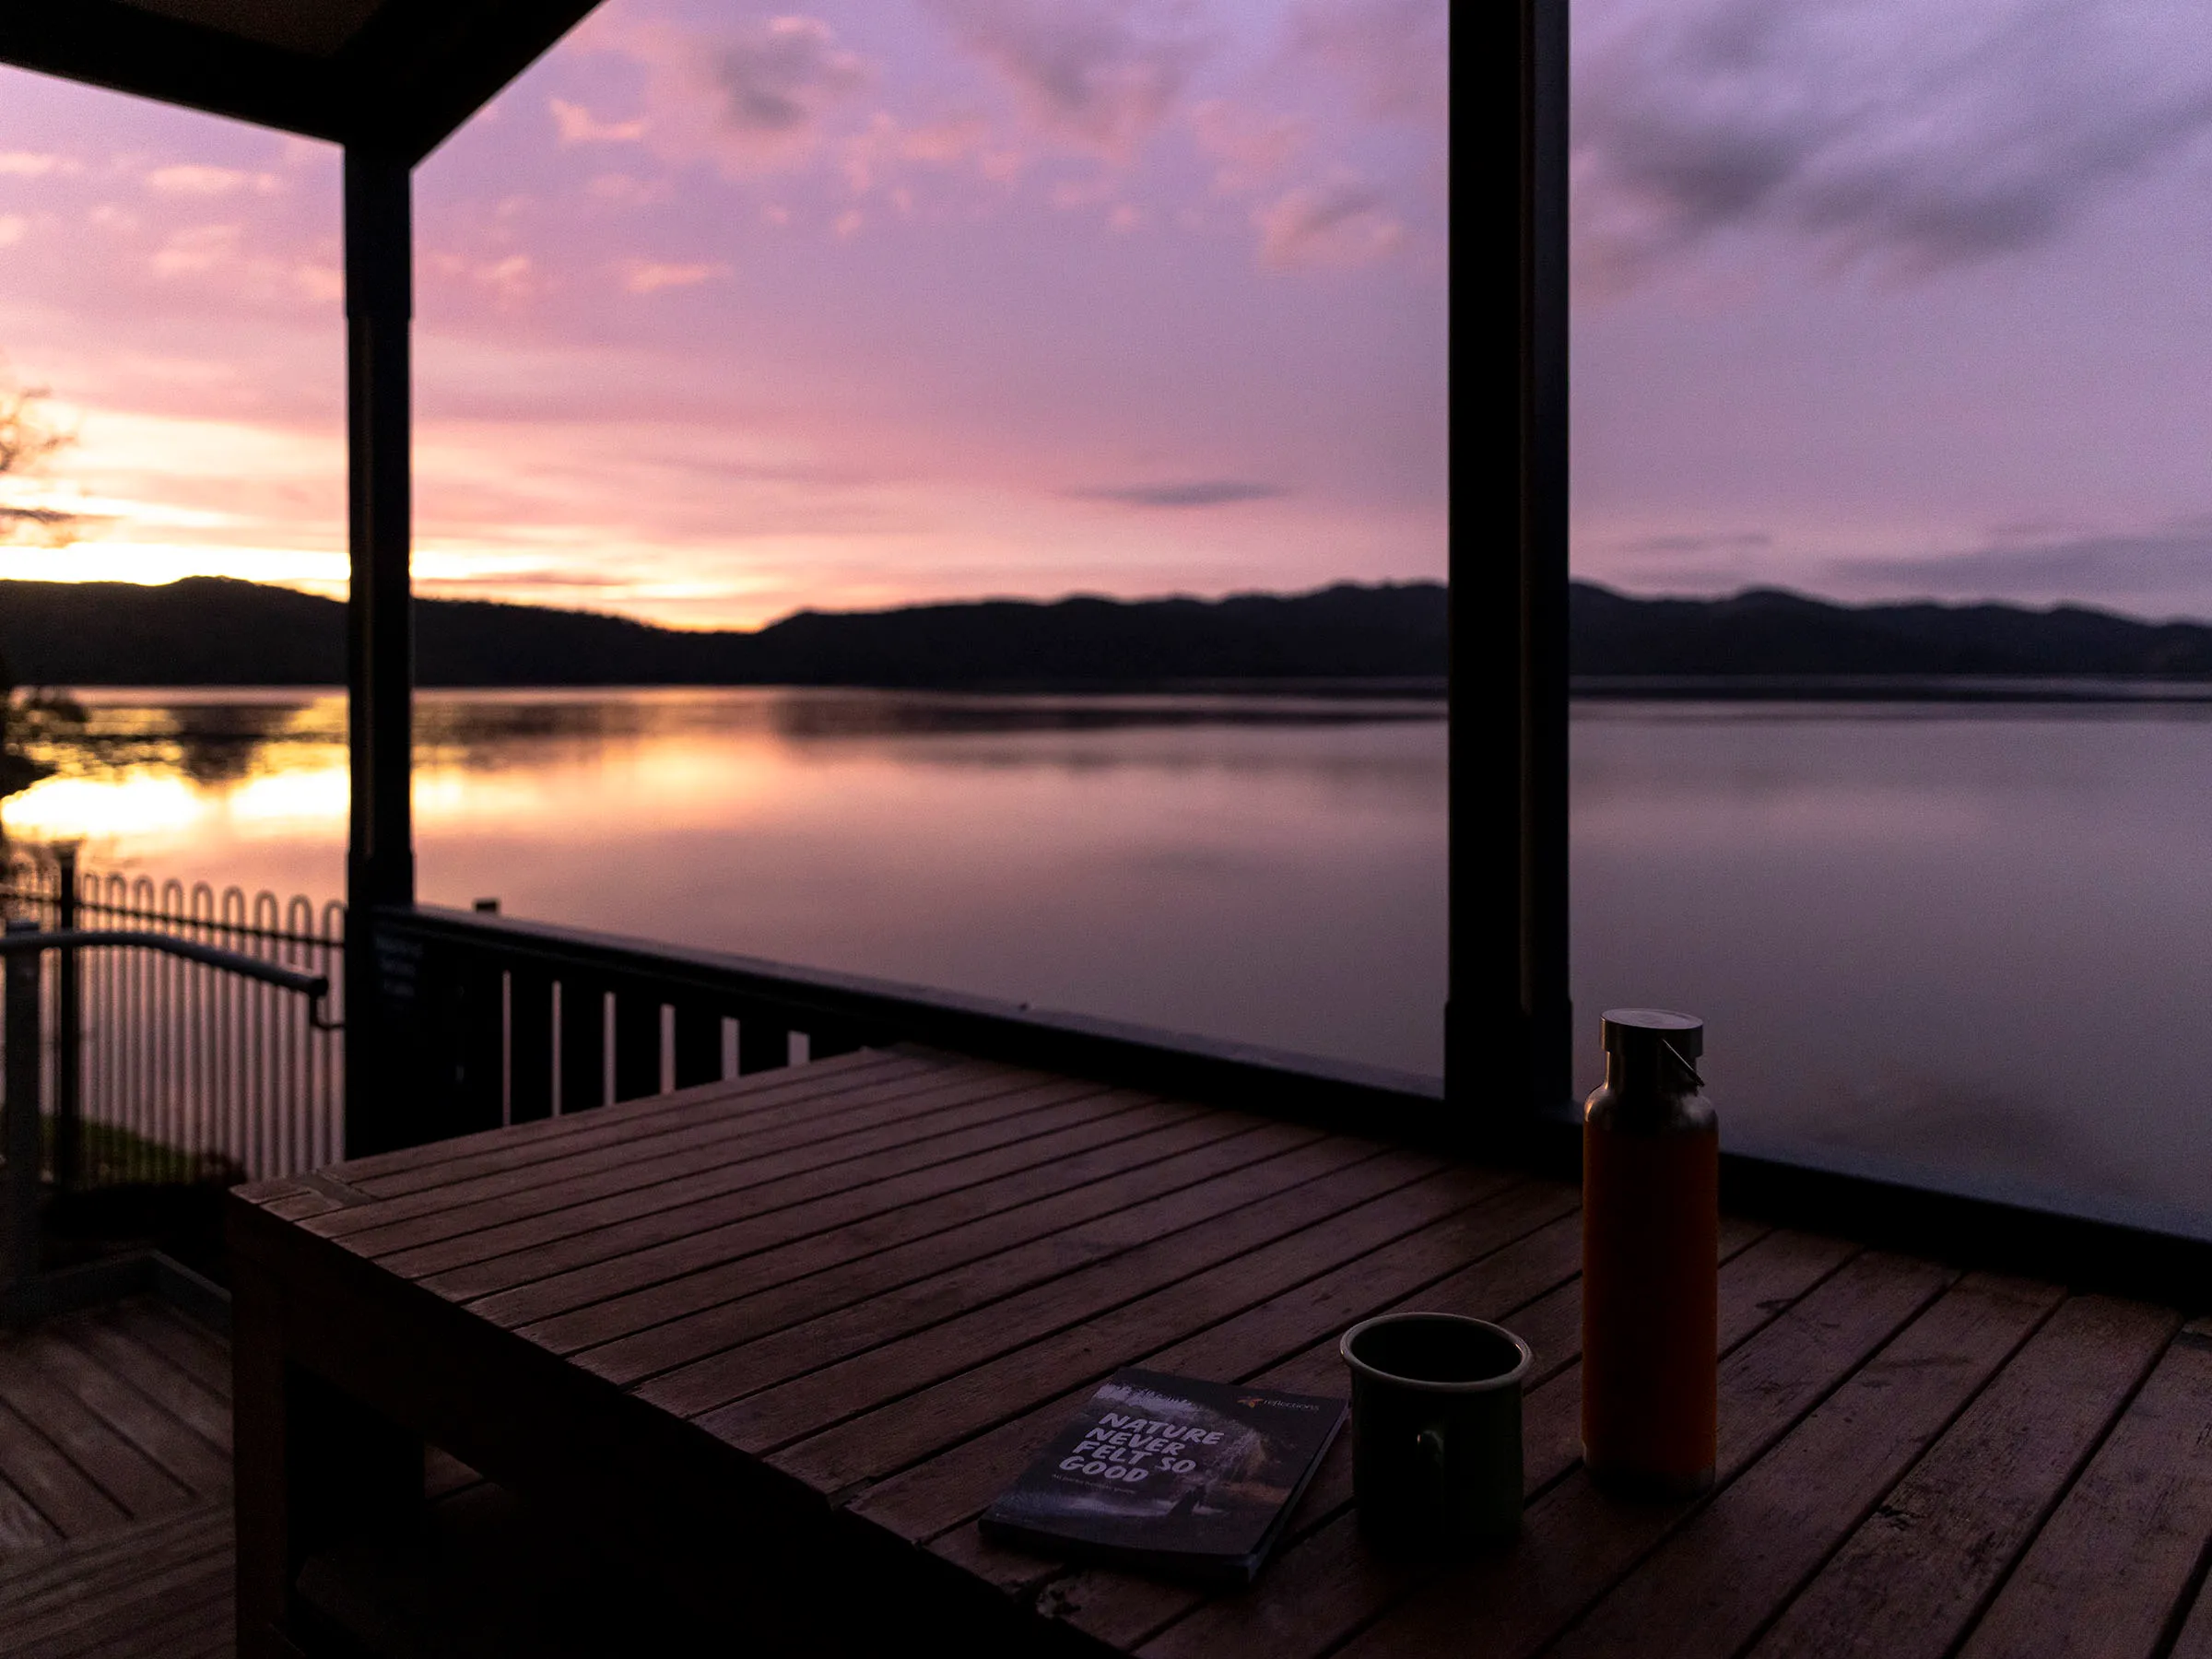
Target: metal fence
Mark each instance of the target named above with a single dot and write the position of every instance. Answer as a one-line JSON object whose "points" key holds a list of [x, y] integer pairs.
{"points": [[162, 1070]]}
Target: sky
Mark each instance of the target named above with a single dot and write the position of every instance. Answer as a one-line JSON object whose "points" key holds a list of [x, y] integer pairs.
{"points": [[1876, 299], [725, 309], [728, 308]]}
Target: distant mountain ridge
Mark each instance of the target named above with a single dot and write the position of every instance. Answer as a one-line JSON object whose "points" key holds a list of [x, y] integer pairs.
{"points": [[1767, 632], [214, 632]]}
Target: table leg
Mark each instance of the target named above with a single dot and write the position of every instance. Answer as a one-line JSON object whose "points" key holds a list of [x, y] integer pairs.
{"points": [[314, 1466]]}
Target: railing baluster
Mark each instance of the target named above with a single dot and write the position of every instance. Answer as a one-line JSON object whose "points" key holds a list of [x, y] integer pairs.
{"points": [[582, 1043], [763, 1044], [637, 1041], [69, 1030], [476, 1019], [20, 1031], [698, 1044], [529, 1045], [825, 1043]]}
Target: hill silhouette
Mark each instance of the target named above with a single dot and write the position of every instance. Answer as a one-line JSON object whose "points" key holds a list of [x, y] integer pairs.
{"points": [[1769, 633], [214, 631]]}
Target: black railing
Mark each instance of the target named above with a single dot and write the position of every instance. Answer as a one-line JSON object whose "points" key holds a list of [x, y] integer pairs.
{"points": [[511, 1021], [161, 1065], [30, 1139]]}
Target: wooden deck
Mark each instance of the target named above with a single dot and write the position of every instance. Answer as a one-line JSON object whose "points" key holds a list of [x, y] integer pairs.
{"points": [[115, 1488], [850, 1300]]}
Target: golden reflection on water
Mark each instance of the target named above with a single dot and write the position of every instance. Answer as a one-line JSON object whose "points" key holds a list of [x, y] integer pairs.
{"points": [[1270, 869], [142, 775], [151, 768]]}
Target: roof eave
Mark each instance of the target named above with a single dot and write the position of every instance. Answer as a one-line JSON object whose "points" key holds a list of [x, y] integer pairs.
{"points": [[104, 43], [406, 83]]}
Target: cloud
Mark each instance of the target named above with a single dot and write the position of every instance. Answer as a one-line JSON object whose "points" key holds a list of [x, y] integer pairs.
{"points": [[198, 250], [779, 76], [12, 226], [644, 277], [29, 164], [195, 181], [577, 124], [1100, 75], [625, 191], [1198, 492], [1920, 136], [885, 143], [547, 577], [1248, 148], [1394, 52], [1731, 541], [755, 96], [2169, 563], [1342, 220], [511, 280]]}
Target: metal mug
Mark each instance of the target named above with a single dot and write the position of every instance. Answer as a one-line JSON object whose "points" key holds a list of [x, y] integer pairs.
{"points": [[1436, 1431]]}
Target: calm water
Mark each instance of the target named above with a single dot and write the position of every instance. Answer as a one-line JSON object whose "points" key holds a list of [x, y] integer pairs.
{"points": [[1966, 942], [1262, 870], [1962, 939]]}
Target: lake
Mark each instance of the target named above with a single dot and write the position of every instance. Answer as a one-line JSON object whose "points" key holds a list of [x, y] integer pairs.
{"points": [[1967, 942]]}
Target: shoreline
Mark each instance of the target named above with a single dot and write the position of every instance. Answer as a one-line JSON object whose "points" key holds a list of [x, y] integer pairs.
{"points": [[1885, 688]]}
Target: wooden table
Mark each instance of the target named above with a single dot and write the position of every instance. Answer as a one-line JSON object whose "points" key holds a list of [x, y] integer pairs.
{"points": [[784, 1338]]}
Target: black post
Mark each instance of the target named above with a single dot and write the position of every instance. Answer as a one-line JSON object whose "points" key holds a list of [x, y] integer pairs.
{"points": [[70, 1023], [380, 638], [1508, 1025], [20, 1031], [1543, 567]]}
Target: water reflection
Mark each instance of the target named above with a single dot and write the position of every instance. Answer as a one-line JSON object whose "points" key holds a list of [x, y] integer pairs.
{"points": [[1972, 943], [1264, 868]]}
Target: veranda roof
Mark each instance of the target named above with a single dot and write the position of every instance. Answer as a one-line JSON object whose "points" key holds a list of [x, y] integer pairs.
{"points": [[397, 76]]}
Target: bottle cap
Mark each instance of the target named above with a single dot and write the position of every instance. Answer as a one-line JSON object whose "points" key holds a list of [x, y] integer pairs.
{"points": [[1638, 1031]]}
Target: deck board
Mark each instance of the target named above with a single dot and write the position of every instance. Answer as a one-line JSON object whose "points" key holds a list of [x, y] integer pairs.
{"points": [[195, 1396], [910, 1304], [1123, 1610], [1708, 1589], [1913, 1576], [722, 1209], [65, 1419], [684, 1320], [939, 1331], [803, 1135], [2127, 1541], [392, 1174], [120, 1547], [963, 1398], [885, 1281]]}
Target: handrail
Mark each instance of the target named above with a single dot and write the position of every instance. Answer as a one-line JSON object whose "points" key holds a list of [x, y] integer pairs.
{"points": [[1374, 1099], [21, 1129], [16, 941]]}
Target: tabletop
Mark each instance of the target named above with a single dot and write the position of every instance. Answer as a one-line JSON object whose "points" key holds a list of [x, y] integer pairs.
{"points": [[877, 1285]]}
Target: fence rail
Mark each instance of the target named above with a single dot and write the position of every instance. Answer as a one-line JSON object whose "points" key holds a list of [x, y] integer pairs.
{"points": [[163, 1070], [501, 1020], [160, 1069]]}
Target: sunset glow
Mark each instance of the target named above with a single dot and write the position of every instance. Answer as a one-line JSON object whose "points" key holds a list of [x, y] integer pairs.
{"points": [[721, 311]]}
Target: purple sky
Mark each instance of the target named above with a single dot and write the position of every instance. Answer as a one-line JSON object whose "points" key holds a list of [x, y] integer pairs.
{"points": [[725, 309], [722, 310], [1877, 299]]}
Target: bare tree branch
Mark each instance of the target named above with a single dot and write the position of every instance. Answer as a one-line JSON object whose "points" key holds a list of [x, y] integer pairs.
{"points": [[28, 440]]}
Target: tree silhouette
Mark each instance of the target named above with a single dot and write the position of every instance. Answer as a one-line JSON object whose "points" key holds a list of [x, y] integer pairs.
{"points": [[28, 440]]}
